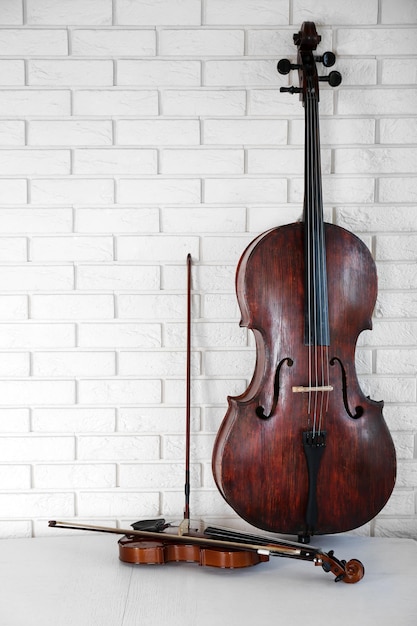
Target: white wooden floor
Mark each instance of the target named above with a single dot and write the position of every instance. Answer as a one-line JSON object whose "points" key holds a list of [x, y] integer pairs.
{"points": [[79, 581]]}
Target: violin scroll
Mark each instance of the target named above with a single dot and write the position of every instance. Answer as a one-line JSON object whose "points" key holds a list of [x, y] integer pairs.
{"points": [[351, 572], [355, 571]]}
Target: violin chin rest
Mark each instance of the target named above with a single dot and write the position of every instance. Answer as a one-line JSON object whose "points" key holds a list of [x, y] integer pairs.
{"points": [[152, 525]]}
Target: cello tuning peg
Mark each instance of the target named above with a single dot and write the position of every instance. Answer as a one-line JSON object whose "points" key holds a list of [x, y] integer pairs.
{"points": [[328, 59], [334, 79], [290, 90], [285, 66]]}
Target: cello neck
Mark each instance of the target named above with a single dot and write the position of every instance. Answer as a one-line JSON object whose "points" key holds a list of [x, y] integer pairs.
{"points": [[317, 331]]}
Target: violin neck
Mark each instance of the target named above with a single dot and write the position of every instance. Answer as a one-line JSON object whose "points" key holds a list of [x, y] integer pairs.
{"points": [[317, 331]]}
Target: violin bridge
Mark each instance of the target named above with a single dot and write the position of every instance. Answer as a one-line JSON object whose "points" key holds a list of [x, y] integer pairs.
{"points": [[184, 527], [308, 389]]}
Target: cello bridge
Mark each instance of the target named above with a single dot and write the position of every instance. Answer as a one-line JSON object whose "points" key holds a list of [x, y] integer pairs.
{"points": [[302, 389]]}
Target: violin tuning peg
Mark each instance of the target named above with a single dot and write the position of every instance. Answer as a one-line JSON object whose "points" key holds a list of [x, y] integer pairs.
{"points": [[328, 59], [285, 66], [334, 79]]}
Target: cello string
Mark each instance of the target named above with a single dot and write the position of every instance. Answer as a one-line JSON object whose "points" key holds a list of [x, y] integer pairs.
{"points": [[323, 278], [308, 258], [308, 238], [313, 256], [326, 299], [320, 259], [315, 279], [317, 339], [326, 329]]}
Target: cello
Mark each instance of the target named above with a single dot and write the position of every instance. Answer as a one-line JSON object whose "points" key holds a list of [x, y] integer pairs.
{"points": [[303, 451]]}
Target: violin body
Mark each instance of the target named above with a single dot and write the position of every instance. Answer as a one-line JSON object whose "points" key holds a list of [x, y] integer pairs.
{"points": [[259, 464], [144, 552]]}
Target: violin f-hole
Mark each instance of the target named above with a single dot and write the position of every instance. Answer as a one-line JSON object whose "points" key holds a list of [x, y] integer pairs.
{"points": [[358, 409], [260, 411]]}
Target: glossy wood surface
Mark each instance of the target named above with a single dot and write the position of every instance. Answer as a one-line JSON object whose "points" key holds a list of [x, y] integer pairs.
{"points": [[302, 450], [259, 464], [142, 552]]}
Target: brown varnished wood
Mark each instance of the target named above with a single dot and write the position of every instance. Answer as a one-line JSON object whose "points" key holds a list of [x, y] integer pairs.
{"points": [[259, 465], [306, 291], [217, 547], [143, 552]]}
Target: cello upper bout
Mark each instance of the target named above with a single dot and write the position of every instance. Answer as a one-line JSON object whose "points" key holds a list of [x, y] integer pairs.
{"points": [[240, 278]]}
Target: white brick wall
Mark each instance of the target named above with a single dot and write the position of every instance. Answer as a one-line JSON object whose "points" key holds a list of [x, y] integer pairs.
{"points": [[132, 133]]}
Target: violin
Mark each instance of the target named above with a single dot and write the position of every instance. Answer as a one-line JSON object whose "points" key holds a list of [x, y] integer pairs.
{"points": [[303, 451], [217, 548]]}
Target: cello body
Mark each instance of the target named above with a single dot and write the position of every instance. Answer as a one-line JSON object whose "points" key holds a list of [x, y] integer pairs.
{"points": [[303, 450], [259, 464]]}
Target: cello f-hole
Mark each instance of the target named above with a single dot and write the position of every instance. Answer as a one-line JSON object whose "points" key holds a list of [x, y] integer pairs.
{"points": [[358, 409], [260, 411]]}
